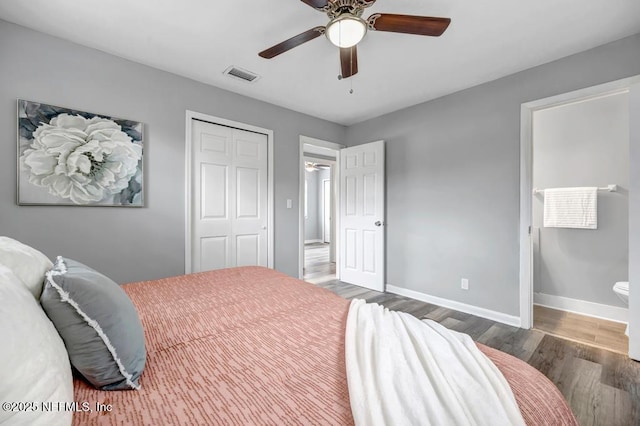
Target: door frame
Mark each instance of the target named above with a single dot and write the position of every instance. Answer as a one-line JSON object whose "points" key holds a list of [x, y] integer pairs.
{"points": [[193, 115], [526, 178], [306, 140]]}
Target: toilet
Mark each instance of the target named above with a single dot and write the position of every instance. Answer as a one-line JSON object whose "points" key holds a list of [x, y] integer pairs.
{"points": [[621, 288]]}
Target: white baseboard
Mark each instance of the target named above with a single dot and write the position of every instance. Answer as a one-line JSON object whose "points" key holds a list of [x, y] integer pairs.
{"points": [[582, 307], [458, 306], [312, 241]]}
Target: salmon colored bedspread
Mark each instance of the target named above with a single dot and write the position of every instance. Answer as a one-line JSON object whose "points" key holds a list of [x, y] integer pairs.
{"points": [[252, 346]]}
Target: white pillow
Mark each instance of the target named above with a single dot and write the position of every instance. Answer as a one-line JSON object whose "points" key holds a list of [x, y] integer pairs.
{"points": [[34, 365], [27, 263]]}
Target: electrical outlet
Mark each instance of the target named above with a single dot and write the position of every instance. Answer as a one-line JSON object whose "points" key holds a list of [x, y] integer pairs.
{"points": [[464, 284]]}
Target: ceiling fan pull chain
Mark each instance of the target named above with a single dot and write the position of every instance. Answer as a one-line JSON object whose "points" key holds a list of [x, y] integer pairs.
{"points": [[351, 89]]}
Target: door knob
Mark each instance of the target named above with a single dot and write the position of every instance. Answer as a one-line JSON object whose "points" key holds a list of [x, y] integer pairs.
{"points": [[378, 223]]}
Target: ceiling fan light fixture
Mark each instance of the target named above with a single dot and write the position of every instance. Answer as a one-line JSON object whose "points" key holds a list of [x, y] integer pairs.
{"points": [[346, 30]]}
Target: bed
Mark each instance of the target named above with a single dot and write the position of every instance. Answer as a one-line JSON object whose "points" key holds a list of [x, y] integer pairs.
{"points": [[236, 346], [253, 346]]}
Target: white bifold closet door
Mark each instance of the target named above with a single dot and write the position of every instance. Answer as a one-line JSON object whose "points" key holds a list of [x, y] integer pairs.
{"points": [[229, 197]]}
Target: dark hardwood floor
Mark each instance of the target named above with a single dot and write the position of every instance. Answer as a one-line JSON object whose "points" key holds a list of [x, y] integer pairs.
{"points": [[602, 387]]}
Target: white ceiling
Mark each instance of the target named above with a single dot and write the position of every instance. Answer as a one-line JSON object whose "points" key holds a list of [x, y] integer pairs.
{"points": [[199, 39]]}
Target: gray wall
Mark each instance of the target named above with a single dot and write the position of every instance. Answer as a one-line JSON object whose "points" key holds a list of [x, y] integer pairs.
{"points": [[634, 224], [583, 144], [131, 244], [324, 174], [453, 177], [312, 218], [315, 213]]}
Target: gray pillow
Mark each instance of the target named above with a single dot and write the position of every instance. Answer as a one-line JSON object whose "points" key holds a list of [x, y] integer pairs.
{"points": [[98, 324]]}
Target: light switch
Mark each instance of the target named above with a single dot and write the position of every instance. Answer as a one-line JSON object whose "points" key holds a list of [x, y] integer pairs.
{"points": [[288, 203]]}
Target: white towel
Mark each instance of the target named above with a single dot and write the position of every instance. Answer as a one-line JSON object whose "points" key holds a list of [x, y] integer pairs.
{"points": [[571, 208]]}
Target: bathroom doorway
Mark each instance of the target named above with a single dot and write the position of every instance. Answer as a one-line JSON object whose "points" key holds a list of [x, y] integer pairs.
{"points": [[578, 142]]}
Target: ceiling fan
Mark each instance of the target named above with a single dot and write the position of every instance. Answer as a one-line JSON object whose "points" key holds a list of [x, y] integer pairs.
{"points": [[346, 29], [312, 167]]}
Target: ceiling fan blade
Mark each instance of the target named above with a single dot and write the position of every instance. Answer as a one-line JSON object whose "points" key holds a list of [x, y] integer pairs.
{"points": [[408, 24], [316, 4], [349, 61], [292, 42]]}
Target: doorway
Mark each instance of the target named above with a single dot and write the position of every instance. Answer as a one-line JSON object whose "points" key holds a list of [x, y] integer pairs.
{"points": [[319, 201], [357, 240], [574, 140], [229, 194], [319, 266]]}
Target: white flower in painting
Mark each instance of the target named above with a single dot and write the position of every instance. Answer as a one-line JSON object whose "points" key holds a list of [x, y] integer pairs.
{"points": [[83, 160]]}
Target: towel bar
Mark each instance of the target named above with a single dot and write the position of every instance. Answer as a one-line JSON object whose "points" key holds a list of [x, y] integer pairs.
{"points": [[610, 188]]}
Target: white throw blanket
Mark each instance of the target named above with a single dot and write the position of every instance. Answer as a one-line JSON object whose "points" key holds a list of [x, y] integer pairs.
{"points": [[403, 371]]}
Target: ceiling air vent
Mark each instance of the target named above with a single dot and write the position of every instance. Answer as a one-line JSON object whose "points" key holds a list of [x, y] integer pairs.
{"points": [[241, 74]]}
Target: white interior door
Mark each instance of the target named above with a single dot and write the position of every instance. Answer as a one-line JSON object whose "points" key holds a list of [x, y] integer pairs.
{"points": [[362, 215], [326, 211], [229, 197]]}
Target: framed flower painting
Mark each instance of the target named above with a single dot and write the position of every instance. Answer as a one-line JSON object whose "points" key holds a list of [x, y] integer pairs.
{"points": [[77, 158]]}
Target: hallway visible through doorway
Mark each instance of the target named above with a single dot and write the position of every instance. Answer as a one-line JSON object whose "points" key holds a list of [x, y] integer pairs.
{"points": [[317, 266]]}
